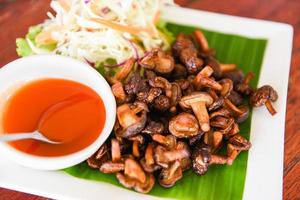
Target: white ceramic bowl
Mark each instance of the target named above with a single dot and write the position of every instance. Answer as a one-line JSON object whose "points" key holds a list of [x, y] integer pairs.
{"points": [[30, 68]]}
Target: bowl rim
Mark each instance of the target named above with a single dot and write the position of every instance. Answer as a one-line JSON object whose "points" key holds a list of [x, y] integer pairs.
{"points": [[80, 72]]}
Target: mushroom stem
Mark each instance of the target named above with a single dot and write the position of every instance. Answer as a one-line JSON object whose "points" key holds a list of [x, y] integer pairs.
{"points": [[118, 91], [135, 149], [234, 130], [111, 167], [213, 139], [126, 69], [168, 141], [227, 86], [213, 94], [115, 150], [177, 154], [232, 107], [270, 107], [126, 116], [227, 67], [159, 138], [248, 78], [219, 160], [199, 109], [207, 71], [134, 170], [201, 40], [202, 78], [207, 82], [174, 167], [149, 155], [232, 153]]}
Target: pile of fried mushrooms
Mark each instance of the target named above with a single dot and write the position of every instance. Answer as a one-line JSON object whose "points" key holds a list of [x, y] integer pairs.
{"points": [[175, 111]]}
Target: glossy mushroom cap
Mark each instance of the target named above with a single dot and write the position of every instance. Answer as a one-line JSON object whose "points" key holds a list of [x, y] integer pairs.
{"points": [[203, 79], [198, 102], [264, 96], [132, 119], [184, 125], [195, 97], [159, 61], [201, 157]]}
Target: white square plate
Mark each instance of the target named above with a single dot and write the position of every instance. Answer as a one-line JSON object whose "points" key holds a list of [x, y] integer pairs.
{"points": [[265, 161]]}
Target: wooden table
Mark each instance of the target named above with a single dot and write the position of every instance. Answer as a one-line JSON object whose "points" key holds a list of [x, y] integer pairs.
{"points": [[17, 15]]}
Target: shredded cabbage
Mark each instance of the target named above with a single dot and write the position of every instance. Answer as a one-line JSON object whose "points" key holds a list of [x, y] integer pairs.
{"points": [[97, 30]]}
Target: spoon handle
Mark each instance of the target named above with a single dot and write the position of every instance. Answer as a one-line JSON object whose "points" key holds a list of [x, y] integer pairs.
{"points": [[22, 136], [17, 136]]}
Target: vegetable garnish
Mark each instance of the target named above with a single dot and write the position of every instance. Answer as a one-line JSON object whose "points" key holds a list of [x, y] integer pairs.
{"points": [[96, 30]]}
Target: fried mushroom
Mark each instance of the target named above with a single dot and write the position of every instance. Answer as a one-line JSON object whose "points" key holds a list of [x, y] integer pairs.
{"points": [[184, 125], [135, 184], [162, 103], [159, 61], [264, 95], [236, 144], [213, 139], [149, 96], [201, 39], [153, 127], [100, 157], [119, 92], [187, 53], [132, 119], [201, 157], [227, 86], [202, 79], [168, 141], [135, 84], [240, 113], [169, 176], [198, 102], [110, 167], [244, 87]]}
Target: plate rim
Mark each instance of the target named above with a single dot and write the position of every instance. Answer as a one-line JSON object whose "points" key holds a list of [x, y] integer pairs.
{"points": [[267, 29]]}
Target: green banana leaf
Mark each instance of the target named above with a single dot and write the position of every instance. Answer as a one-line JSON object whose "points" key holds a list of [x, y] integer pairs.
{"points": [[221, 181]]}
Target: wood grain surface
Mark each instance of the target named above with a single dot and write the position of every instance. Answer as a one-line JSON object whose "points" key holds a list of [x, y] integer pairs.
{"points": [[17, 15]]}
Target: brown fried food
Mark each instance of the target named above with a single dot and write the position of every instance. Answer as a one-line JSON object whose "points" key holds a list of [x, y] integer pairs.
{"points": [[198, 101], [187, 53], [264, 95], [201, 157], [184, 125], [132, 119], [159, 61], [177, 112]]}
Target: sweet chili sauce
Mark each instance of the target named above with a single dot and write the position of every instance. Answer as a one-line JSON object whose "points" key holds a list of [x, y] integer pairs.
{"points": [[78, 116]]}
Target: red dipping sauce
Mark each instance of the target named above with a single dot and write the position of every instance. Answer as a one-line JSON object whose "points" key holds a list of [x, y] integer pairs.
{"points": [[66, 111]]}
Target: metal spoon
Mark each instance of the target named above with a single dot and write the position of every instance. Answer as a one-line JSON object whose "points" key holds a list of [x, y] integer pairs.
{"points": [[21, 136]]}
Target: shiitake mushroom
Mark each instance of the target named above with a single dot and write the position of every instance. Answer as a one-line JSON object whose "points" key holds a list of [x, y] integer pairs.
{"points": [[176, 114]]}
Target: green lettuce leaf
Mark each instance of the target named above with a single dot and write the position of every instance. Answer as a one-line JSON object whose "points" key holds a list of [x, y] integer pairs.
{"points": [[23, 48], [33, 32], [107, 71], [165, 33]]}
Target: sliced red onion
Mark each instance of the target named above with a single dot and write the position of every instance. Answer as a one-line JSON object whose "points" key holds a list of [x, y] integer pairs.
{"points": [[116, 65], [105, 10], [137, 57], [92, 64], [144, 56], [86, 1]]}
